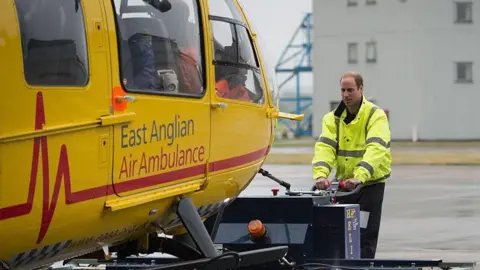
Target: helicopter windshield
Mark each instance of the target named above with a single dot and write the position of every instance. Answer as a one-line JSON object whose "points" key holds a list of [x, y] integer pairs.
{"points": [[267, 62], [228, 9], [273, 86], [224, 8], [271, 76], [237, 71], [160, 46]]}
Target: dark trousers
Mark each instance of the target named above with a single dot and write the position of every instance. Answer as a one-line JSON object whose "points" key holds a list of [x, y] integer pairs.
{"points": [[370, 199]]}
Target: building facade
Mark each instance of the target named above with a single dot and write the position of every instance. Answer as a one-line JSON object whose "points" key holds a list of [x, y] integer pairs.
{"points": [[420, 60]]}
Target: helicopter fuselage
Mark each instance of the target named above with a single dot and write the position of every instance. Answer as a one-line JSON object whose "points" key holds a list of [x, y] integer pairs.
{"points": [[114, 110]]}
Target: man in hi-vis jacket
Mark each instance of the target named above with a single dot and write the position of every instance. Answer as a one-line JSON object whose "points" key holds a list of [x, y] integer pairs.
{"points": [[355, 140]]}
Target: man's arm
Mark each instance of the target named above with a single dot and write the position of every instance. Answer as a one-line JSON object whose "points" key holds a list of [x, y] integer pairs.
{"points": [[378, 142], [325, 148]]}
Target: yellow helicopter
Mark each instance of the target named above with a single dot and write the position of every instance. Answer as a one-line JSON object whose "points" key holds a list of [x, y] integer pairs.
{"points": [[114, 112]]}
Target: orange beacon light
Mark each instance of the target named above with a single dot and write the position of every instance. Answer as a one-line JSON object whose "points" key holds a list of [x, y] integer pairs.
{"points": [[256, 229]]}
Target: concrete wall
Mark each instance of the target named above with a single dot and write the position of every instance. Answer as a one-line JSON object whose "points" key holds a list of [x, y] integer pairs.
{"points": [[418, 43]]}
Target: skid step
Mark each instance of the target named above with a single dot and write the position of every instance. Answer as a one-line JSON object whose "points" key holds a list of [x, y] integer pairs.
{"points": [[226, 260], [230, 260]]}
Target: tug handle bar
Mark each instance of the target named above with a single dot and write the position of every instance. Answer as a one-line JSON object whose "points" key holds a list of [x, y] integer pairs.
{"points": [[269, 175], [330, 193], [341, 194], [314, 192], [345, 194]]}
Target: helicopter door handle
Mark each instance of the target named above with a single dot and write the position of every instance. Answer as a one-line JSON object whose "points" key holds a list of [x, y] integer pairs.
{"points": [[219, 105], [126, 98]]}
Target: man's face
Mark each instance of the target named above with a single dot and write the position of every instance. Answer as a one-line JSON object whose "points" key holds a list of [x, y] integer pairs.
{"points": [[351, 94]]}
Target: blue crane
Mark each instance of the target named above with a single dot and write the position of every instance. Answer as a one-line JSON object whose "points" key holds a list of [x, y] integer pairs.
{"points": [[296, 59]]}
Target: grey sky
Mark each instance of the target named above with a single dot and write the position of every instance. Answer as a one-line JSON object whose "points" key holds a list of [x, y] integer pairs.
{"points": [[276, 22]]}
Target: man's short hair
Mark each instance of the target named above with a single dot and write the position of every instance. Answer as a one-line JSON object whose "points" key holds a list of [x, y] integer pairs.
{"points": [[357, 76]]}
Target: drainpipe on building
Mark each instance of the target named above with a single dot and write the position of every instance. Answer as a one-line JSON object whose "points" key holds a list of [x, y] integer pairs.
{"points": [[414, 133]]}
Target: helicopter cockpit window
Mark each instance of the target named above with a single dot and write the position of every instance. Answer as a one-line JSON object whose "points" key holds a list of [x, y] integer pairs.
{"points": [[160, 46], [237, 73], [224, 8], [53, 42]]}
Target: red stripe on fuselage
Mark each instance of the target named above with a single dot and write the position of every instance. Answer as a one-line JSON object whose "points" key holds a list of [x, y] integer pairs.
{"points": [[159, 179], [239, 160], [63, 172]]}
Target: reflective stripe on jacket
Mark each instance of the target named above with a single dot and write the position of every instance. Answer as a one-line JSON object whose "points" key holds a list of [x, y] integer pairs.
{"points": [[360, 149]]}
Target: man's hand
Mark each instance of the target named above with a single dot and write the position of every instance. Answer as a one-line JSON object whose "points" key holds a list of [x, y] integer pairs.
{"points": [[350, 184], [322, 183]]}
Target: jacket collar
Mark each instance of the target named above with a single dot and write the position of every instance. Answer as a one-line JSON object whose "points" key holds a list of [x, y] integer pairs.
{"points": [[341, 108]]}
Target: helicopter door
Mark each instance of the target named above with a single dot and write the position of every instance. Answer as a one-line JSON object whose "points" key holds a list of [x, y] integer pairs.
{"points": [[159, 80], [239, 101]]}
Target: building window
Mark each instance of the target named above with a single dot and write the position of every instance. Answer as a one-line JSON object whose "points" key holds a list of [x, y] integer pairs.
{"points": [[464, 72], [351, 3], [371, 52], [352, 53], [54, 49], [371, 2], [463, 12]]}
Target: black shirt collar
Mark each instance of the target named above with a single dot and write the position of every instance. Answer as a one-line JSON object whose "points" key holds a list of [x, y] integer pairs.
{"points": [[350, 117]]}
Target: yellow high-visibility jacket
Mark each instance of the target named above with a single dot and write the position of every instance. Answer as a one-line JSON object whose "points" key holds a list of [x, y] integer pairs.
{"points": [[360, 149]]}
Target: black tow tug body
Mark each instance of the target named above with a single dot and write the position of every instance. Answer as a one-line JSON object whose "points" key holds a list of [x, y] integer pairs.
{"points": [[319, 233]]}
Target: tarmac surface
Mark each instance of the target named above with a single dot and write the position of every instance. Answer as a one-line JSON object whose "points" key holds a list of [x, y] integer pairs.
{"points": [[429, 212]]}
